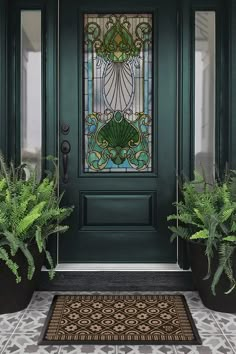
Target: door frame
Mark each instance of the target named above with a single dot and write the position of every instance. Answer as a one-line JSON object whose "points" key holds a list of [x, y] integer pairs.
{"points": [[226, 84]]}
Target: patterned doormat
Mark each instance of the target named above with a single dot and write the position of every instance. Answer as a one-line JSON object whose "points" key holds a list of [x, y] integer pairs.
{"points": [[116, 319]]}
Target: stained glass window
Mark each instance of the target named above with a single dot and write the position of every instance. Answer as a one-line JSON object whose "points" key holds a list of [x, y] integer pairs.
{"points": [[118, 92]]}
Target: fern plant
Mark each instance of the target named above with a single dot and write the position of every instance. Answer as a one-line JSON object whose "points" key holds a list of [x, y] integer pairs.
{"points": [[207, 215], [29, 212]]}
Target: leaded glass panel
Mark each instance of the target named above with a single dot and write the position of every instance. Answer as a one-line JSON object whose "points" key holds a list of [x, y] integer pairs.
{"points": [[118, 92]]}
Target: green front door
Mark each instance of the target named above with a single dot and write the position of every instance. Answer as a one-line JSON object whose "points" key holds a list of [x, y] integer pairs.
{"points": [[117, 86]]}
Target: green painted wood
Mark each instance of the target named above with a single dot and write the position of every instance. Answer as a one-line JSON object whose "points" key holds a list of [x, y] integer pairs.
{"points": [[118, 238], [184, 89], [51, 102], [184, 108], [50, 55], [232, 84], [134, 210], [222, 93], [11, 78], [3, 76]]}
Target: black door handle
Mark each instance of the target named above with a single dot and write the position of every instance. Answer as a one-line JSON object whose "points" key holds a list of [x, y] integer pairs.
{"points": [[65, 149]]}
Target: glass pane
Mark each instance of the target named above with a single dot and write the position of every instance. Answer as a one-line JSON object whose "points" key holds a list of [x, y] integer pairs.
{"points": [[118, 92], [31, 96], [205, 78]]}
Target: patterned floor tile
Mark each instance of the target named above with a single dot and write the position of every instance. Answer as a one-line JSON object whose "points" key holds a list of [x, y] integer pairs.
{"points": [[226, 322], [27, 343], [88, 349], [3, 340], [193, 299], [232, 341], [205, 322], [32, 322], [145, 349], [9, 321], [215, 344], [41, 300], [29, 324]]}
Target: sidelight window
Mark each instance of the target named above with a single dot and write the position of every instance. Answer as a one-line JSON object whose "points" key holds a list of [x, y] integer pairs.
{"points": [[205, 92], [31, 95]]}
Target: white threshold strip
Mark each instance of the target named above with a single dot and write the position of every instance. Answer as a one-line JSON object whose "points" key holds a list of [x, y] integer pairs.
{"points": [[124, 267]]}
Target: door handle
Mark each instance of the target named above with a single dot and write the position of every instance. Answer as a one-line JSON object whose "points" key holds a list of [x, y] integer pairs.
{"points": [[65, 149]]}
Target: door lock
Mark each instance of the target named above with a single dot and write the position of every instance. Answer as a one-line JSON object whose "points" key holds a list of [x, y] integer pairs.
{"points": [[65, 128]]}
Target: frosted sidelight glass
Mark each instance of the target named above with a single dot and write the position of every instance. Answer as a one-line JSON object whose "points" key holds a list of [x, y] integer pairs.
{"points": [[31, 88], [205, 91]]}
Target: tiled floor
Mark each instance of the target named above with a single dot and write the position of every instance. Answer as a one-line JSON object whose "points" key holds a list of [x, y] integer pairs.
{"points": [[19, 332]]}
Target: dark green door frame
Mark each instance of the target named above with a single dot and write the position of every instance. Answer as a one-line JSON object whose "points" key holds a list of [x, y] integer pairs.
{"points": [[3, 75], [226, 90], [225, 15], [232, 83]]}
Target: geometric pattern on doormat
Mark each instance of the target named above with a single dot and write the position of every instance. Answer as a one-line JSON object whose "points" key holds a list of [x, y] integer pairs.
{"points": [[119, 319]]}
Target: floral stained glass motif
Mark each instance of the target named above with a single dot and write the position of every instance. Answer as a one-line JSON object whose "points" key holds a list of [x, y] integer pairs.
{"points": [[118, 92]]}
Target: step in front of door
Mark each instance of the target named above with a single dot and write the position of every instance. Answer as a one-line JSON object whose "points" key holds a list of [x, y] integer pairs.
{"points": [[117, 281]]}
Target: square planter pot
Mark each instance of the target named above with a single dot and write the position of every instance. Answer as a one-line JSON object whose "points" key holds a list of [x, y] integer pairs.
{"points": [[220, 302]]}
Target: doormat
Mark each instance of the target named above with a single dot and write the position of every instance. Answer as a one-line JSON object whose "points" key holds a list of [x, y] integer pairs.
{"points": [[119, 319]]}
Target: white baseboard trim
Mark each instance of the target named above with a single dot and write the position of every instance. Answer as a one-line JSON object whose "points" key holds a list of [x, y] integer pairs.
{"points": [[114, 267]]}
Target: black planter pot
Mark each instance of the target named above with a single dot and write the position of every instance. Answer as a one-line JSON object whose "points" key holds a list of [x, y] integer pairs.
{"points": [[220, 302], [15, 297]]}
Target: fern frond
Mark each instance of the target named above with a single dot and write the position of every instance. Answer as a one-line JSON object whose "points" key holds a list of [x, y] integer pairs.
{"points": [[225, 229], [230, 290], [12, 241], [4, 170], [199, 215], [29, 219], [202, 234], [225, 215], [225, 254], [39, 239], [58, 229], [216, 278], [29, 210], [10, 264], [233, 227], [172, 217], [230, 239], [51, 264], [180, 231], [208, 212], [211, 241], [2, 184], [30, 260]]}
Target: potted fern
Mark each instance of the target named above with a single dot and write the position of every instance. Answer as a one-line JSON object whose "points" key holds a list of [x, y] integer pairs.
{"points": [[30, 212], [206, 217]]}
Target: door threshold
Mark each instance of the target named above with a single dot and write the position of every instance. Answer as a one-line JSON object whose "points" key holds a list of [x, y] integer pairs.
{"points": [[111, 267]]}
